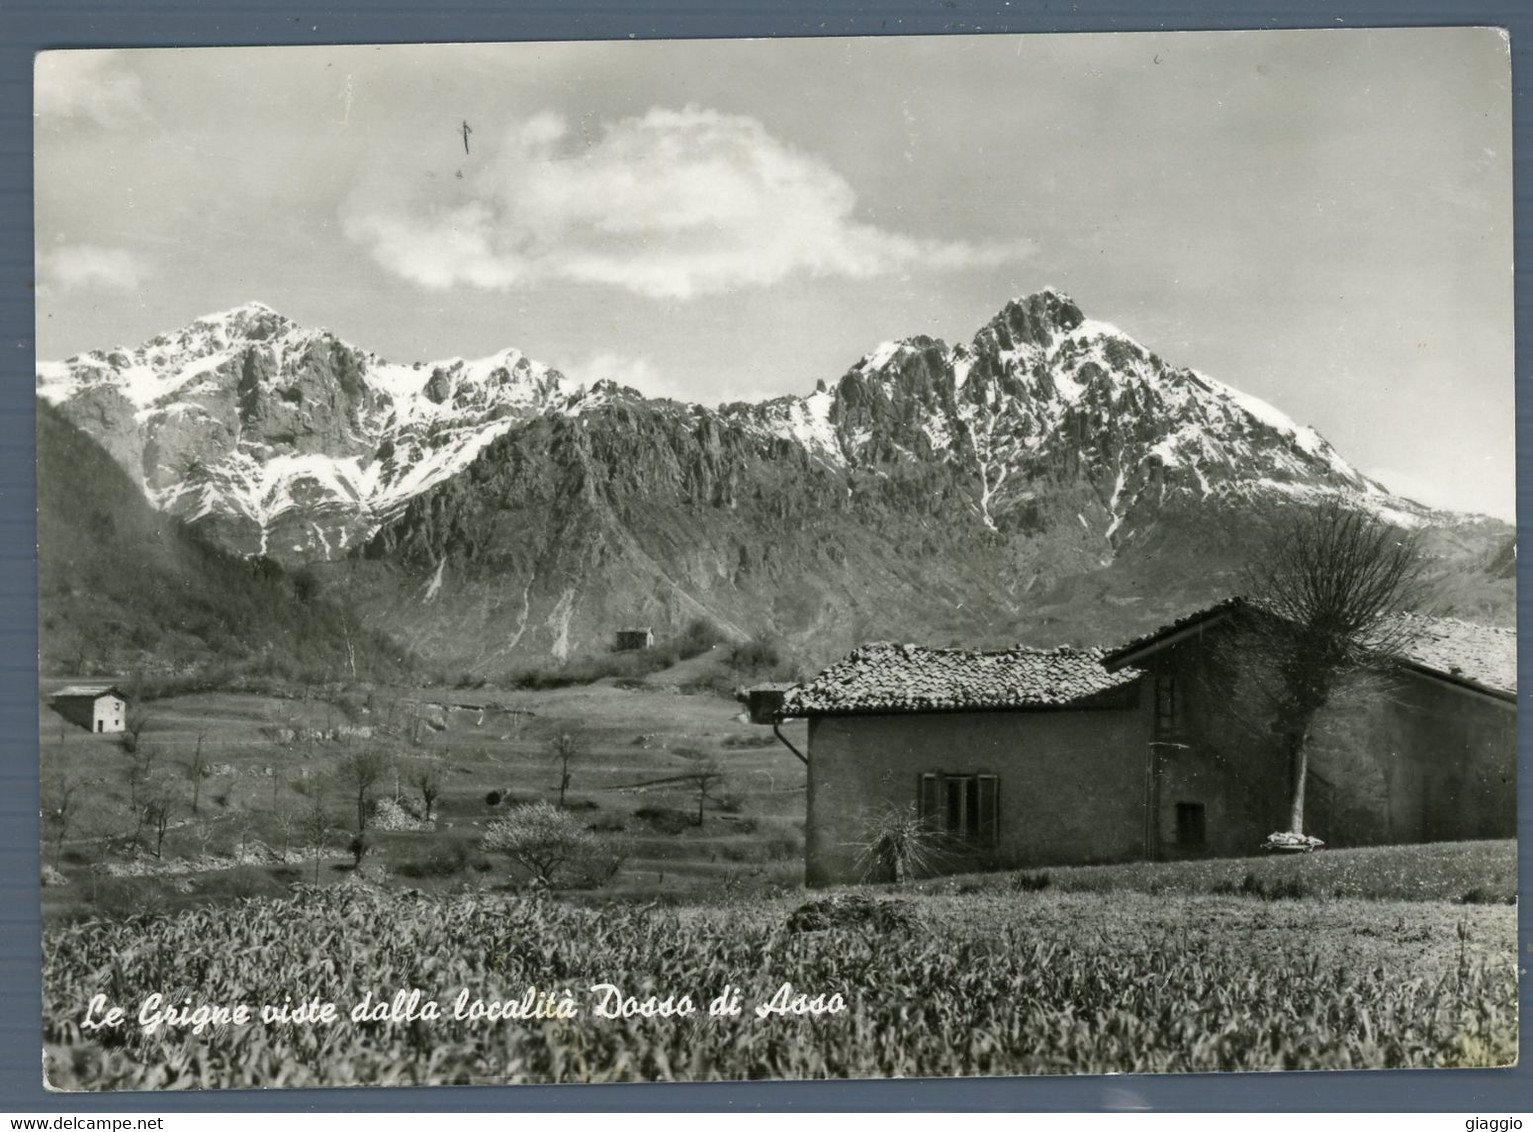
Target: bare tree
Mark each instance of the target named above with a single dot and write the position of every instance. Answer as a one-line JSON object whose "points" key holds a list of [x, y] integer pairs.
{"points": [[429, 783], [315, 826], [704, 776], [134, 720], [286, 824], [1326, 596], [197, 768], [58, 809], [140, 784], [157, 811], [360, 772], [566, 747]]}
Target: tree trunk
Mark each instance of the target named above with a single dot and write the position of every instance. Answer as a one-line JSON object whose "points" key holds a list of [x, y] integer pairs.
{"points": [[1300, 780]]}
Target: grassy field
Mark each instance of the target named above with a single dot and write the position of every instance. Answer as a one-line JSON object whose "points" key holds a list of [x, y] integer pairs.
{"points": [[266, 759], [932, 984], [1397, 956], [1475, 872]]}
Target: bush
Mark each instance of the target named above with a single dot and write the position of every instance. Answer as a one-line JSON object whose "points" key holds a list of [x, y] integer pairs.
{"points": [[546, 842], [897, 846], [748, 741], [629, 667], [1030, 882], [852, 911], [1480, 894], [664, 819], [493, 798], [1276, 888], [443, 861], [360, 846]]}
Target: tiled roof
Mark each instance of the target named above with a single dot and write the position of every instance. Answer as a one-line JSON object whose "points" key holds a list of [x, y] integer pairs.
{"points": [[1208, 612], [85, 690], [883, 678], [1481, 655]]}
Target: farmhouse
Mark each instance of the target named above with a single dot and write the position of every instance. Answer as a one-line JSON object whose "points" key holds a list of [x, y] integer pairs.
{"points": [[633, 639], [1425, 753], [98, 708], [1018, 756], [1030, 758]]}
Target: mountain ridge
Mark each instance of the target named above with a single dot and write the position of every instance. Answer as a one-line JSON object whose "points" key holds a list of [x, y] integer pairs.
{"points": [[1017, 484]]}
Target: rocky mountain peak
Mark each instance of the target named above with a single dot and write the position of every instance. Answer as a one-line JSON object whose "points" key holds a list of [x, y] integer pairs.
{"points": [[288, 441], [1033, 320]]}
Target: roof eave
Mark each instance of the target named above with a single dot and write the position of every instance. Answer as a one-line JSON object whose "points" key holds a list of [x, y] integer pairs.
{"points": [[1171, 635], [1459, 681]]}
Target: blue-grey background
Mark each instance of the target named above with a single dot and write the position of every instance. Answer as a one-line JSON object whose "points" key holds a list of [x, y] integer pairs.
{"points": [[26, 27]]}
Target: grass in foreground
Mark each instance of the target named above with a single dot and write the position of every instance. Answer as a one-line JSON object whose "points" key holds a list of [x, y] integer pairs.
{"points": [[1050, 982], [1463, 872]]}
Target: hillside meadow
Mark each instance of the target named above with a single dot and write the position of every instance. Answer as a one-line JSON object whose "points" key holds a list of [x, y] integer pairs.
{"points": [[241, 774]]}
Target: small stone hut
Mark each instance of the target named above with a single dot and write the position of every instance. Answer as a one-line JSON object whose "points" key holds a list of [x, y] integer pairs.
{"points": [[99, 708], [634, 639]]}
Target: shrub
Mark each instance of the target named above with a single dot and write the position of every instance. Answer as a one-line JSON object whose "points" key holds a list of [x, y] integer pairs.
{"points": [[783, 849], [897, 846], [1277, 888], [493, 798], [1030, 882], [391, 816], [748, 741], [1480, 894], [852, 911], [761, 653], [543, 840], [664, 819], [443, 861], [360, 846]]}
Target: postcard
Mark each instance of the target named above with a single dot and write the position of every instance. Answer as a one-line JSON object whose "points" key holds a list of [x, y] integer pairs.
{"points": [[755, 559]]}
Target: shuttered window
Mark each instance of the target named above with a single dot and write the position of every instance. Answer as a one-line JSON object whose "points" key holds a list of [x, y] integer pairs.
{"points": [[963, 807]]}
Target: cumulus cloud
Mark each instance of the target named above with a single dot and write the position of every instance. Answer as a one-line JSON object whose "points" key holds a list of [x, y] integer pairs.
{"points": [[673, 204], [636, 373], [93, 86], [87, 265]]}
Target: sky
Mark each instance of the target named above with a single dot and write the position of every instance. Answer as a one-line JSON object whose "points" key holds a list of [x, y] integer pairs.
{"points": [[1321, 218]]}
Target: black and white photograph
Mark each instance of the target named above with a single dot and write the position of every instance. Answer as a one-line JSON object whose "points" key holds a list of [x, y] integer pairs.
{"points": [[769, 559]]}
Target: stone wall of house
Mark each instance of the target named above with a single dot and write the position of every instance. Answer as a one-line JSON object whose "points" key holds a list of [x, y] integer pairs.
{"points": [[1391, 761], [1420, 760], [1071, 783], [1214, 755]]}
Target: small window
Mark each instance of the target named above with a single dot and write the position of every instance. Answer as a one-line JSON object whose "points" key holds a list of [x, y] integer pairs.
{"points": [[963, 807], [1189, 824]]}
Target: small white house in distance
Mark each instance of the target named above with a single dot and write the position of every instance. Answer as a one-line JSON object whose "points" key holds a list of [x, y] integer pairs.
{"points": [[98, 708]]}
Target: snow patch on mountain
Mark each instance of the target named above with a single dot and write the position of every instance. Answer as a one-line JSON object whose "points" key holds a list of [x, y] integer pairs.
{"points": [[299, 444]]}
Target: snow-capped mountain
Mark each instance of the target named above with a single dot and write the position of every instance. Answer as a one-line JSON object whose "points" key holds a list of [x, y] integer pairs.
{"points": [[1051, 480], [285, 441], [1043, 390]]}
